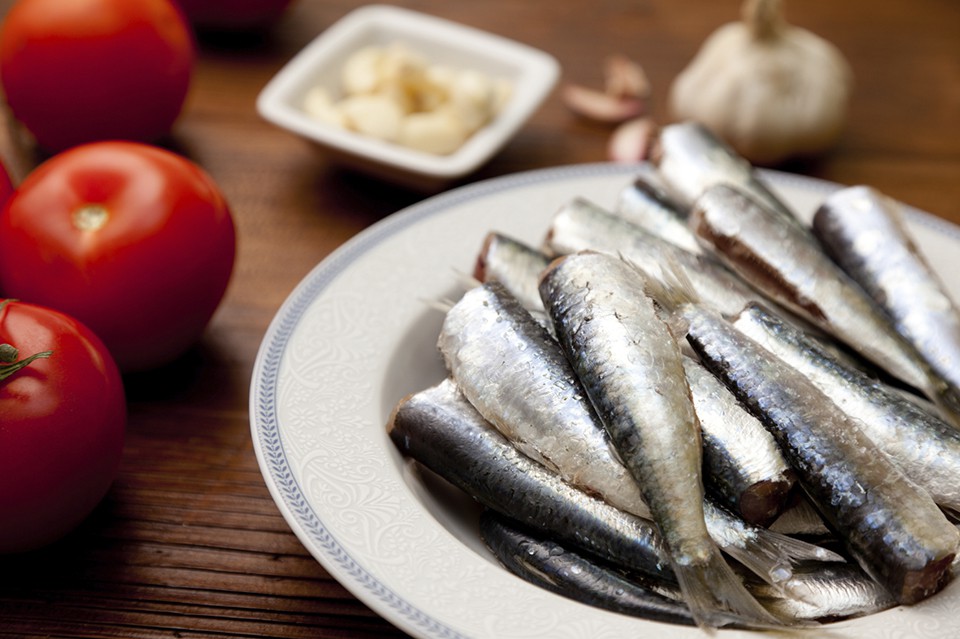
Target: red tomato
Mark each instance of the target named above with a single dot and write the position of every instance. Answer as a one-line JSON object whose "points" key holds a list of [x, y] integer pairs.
{"points": [[134, 241], [88, 70], [62, 426], [6, 186], [233, 15]]}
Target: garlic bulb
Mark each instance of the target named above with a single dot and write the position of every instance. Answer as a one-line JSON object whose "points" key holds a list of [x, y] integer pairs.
{"points": [[770, 90]]}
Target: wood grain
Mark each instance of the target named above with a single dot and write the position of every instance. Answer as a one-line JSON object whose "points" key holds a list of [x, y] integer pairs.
{"points": [[188, 543]]}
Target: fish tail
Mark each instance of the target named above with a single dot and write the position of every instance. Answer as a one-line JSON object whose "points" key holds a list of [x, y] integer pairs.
{"points": [[772, 556], [714, 593]]}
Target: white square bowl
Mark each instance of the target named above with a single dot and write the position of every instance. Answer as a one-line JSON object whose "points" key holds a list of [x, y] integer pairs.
{"points": [[531, 73]]}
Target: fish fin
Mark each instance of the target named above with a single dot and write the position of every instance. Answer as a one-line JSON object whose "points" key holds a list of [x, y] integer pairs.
{"points": [[442, 305], [771, 557], [668, 285], [466, 280], [714, 593]]}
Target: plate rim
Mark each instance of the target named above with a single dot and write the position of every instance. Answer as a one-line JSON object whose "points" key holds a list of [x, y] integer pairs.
{"points": [[284, 487]]}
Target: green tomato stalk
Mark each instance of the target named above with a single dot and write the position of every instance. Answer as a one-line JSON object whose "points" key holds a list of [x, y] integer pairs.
{"points": [[9, 364]]}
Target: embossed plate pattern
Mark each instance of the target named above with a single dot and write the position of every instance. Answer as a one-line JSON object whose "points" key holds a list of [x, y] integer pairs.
{"points": [[359, 332]]}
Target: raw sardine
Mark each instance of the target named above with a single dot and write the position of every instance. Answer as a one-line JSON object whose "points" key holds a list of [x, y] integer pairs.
{"points": [[645, 204], [922, 445], [582, 225], [743, 463], [791, 268], [515, 264], [441, 430], [863, 232], [549, 565], [892, 527], [518, 378], [631, 368], [826, 592], [690, 158]]}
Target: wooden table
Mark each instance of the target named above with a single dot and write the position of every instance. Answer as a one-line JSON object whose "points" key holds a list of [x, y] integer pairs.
{"points": [[188, 542]]}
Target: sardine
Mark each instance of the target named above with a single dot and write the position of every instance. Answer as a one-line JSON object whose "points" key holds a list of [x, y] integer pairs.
{"points": [[582, 225], [863, 232], [690, 158], [648, 206], [631, 368], [890, 526], [441, 430], [923, 446], [826, 592], [742, 461], [515, 264], [545, 563], [791, 268], [518, 378]]}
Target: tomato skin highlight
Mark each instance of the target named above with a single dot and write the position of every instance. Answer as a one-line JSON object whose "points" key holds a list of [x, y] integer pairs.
{"points": [[148, 280], [62, 424], [86, 70]]}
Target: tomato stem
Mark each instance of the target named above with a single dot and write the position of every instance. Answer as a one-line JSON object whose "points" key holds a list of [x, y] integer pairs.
{"points": [[6, 370], [9, 354], [91, 217]]}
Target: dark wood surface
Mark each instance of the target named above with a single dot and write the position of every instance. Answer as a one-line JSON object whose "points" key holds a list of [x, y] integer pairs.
{"points": [[188, 542]]}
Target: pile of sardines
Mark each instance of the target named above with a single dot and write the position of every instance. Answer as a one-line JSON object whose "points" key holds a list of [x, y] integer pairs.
{"points": [[696, 408]]}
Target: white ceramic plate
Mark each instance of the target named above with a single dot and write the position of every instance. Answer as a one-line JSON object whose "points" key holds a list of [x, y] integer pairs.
{"points": [[359, 333]]}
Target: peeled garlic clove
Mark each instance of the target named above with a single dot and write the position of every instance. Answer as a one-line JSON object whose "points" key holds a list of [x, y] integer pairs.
{"points": [[472, 98], [374, 115], [770, 90], [319, 105], [361, 71], [632, 141], [439, 132], [601, 106]]}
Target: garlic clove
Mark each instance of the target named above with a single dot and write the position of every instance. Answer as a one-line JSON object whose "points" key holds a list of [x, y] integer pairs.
{"points": [[361, 71], [625, 78], [374, 115], [319, 105], [439, 132], [601, 106], [632, 141]]}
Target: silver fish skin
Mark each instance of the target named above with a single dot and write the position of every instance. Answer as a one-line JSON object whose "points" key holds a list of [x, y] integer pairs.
{"points": [[690, 159], [742, 463], [826, 592], [792, 269], [890, 526], [582, 225], [518, 378], [441, 430], [515, 264], [919, 442], [549, 565], [631, 368], [863, 231], [648, 206]]}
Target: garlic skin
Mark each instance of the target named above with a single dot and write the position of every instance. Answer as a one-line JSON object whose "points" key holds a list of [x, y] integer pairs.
{"points": [[770, 90]]}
